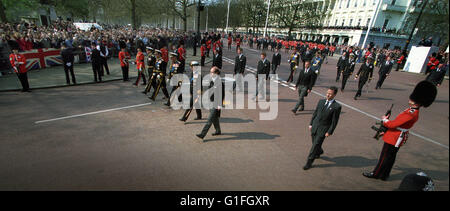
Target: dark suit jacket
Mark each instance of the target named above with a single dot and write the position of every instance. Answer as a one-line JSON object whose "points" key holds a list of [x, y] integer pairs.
{"points": [[385, 69], [239, 64], [67, 55], [325, 120], [436, 77], [276, 59], [365, 72], [306, 79], [218, 61], [342, 63], [263, 67], [95, 57]]}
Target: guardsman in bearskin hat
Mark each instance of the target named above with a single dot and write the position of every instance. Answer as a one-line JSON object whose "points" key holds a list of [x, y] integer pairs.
{"points": [[124, 56], [18, 63], [365, 75], [173, 70], [159, 77], [398, 129], [195, 82], [293, 61]]}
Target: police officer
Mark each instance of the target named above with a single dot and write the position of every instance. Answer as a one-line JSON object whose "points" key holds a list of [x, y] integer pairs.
{"points": [[195, 84], [96, 63], [365, 75], [68, 58]]}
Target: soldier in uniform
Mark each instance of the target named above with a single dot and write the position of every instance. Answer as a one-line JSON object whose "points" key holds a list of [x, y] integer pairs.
{"points": [[203, 54], [323, 123], [173, 70], [341, 65], [155, 63], [365, 75], [384, 71], [304, 85], [140, 66], [218, 88], [181, 57], [293, 61], [317, 63], [18, 63], [159, 77], [396, 136], [195, 82], [124, 56], [348, 71]]}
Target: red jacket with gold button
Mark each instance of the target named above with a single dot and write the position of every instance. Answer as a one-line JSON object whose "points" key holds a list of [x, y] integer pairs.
{"points": [[398, 128]]}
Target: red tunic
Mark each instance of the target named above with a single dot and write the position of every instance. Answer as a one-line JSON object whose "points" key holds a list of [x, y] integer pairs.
{"points": [[140, 65], [203, 50], [165, 54], [122, 57], [18, 58], [230, 40], [181, 54], [404, 121]]}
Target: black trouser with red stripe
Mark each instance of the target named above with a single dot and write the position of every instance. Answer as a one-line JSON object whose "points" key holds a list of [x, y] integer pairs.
{"points": [[385, 162]]}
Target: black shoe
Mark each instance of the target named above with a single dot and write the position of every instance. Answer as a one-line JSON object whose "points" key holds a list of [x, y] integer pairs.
{"points": [[307, 166], [217, 134], [301, 109], [354, 98], [167, 104], [200, 136], [294, 111], [384, 179], [183, 119], [151, 98], [143, 92], [369, 175]]}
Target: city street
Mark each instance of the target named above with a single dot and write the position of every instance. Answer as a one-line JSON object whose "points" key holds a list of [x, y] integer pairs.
{"points": [[110, 136]]}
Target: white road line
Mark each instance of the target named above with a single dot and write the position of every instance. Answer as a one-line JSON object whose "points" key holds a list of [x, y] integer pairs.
{"points": [[292, 87], [91, 113]]}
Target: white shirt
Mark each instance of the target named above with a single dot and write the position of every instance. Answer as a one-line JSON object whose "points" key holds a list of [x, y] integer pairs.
{"points": [[329, 103]]}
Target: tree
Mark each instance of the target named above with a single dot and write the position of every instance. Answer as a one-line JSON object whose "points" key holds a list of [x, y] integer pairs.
{"points": [[10, 8], [179, 8]]}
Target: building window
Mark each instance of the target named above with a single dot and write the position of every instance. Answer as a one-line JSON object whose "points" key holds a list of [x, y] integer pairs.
{"points": [[335, 23], [359, 22], [386, 22], [393, 2], [343, 22], [368, 22], [356, 3], [374, 2], [364, 3], [348, 3], [351, 22], [340, 4]]}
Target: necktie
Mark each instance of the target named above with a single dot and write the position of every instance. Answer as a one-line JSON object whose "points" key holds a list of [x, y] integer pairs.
{"points": [[325, 106]]}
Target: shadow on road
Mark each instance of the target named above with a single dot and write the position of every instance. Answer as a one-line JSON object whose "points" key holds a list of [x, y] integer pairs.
{"points": [[224, 120], [245, 135], [347, 161]]}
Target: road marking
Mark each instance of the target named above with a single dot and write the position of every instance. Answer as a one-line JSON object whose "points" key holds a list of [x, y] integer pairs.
{"points": [[292, 87], [91, 113]]}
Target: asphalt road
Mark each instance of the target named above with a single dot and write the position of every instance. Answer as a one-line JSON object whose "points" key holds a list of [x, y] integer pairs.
{"points": [[110, 136]]}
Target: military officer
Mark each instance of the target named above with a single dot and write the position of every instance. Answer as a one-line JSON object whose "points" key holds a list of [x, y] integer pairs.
{"points": [[173, 70], [293, 61], [195, 84], [348, 71], [323, 123], [365, 75], [398, 129], [159, 76]]}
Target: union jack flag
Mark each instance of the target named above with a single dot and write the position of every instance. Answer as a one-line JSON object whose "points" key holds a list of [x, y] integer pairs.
{"points": [[41, 58]]}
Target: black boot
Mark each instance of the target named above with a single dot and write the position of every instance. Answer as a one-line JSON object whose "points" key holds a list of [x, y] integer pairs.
{"points": [[308, 165]]}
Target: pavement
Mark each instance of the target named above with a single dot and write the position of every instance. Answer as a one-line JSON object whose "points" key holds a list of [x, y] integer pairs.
{"points": [[53, 77], [110, 136]]}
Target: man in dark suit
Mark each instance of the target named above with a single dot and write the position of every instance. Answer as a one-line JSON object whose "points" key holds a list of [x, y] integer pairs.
{"points": [[96, 63], [218, 89], [341, 65], [239, 68], [217, 61], [305, 83], [276, 60], [437, 75], [348, 71], [68, 58], [323, 123], [384, 71], [365, 74], [263, 69]]}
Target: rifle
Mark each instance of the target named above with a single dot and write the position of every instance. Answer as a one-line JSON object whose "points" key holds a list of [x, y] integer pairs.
{"points": [[381, 128]]}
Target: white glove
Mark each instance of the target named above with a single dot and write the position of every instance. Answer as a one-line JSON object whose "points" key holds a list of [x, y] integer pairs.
{"points": [[69, 64]]}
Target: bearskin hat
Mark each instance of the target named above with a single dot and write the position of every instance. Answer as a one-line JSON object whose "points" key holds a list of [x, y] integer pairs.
{"points": [[424, 93]]}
